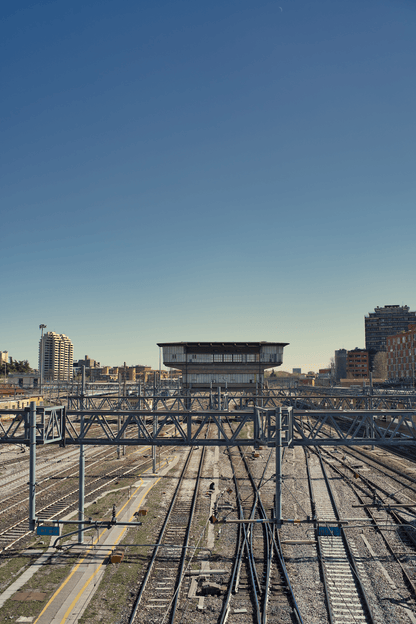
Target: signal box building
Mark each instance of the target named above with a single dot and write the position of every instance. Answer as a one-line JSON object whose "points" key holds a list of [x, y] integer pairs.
{"points": [[235, 365]]}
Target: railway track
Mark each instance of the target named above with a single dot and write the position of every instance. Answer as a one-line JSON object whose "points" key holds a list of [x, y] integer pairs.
{"points": [[17, 531], [244, 579], [14, 474], [278, 594], [343, 572], [158, 599], [9, 503], [404, 549], [259, 582]]}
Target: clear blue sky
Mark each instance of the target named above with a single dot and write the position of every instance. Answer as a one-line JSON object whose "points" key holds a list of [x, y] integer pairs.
{"points": [[223, 170]]}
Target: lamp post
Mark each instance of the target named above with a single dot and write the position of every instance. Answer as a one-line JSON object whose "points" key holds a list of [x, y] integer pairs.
{"points": [[41, 327]]}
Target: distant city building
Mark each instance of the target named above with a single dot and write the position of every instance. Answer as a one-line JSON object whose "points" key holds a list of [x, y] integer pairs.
{"points": [[56, 357], [401, 354], [340, 364], [237, 365], [127, 373], [358, 363], [24, 380], [143, 372], [383, 322], [88, 362], [323, 377], [92, 368], [297, 371]]}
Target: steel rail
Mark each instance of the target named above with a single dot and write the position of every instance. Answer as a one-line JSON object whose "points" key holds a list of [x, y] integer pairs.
{"points": [[398, 519], [235, 573], [372, 486], [276, 547], [187, 535], [48, 478], [346, 543], [25, 533], [384, 465], [320, 554], [268, 548], [242, 545], [159, 544], [68, 507], [342, 548]]}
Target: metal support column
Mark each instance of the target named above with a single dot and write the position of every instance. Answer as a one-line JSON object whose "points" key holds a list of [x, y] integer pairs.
{"points": [[371, 391], [82, 386], [373, 432], [278, 501], [219, 409], [154, 448], [118, 431], [123, 448], [188, 399], [81, 476], [32, 466], [81, 492]]}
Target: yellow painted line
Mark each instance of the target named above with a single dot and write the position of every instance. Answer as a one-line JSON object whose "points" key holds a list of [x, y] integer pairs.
{"points": [[60, 588], [83, 588]]}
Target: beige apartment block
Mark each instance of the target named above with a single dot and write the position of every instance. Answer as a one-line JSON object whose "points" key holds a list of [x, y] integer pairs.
{"points": [[56, 357]]}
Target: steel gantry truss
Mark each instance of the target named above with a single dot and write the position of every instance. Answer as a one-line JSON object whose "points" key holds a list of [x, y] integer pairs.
{"points": [[256, 426], [298, 398], [274, 427], [354, 428], [49, 425]]}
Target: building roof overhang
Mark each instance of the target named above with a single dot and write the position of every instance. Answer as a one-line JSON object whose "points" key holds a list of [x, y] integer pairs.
{"points": [[217, 347]]}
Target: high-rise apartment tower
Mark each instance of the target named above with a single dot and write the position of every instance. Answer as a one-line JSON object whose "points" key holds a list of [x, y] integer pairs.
{"points": [[56, 357], [384, 322]]}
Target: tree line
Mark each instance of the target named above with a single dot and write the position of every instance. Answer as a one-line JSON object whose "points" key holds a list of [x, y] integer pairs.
{"points": [[15, 366]]}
